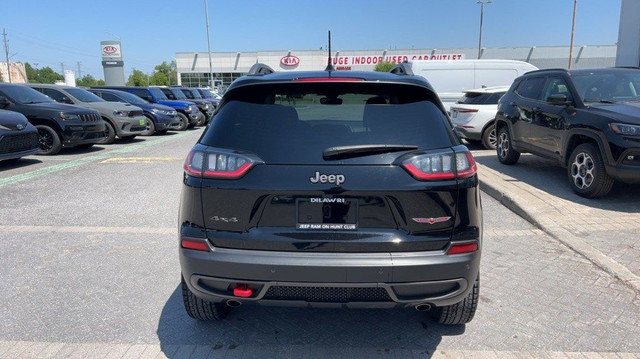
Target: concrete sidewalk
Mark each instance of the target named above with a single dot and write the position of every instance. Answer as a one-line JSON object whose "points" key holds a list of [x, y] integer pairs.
{"points": [[606, 231]]}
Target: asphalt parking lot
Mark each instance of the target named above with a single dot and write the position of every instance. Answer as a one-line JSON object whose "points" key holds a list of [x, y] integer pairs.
{"points": [[90, 269]]}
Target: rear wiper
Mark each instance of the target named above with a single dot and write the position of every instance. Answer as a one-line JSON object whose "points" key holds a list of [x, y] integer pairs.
{"points": [[598, 100], [342, 152]]}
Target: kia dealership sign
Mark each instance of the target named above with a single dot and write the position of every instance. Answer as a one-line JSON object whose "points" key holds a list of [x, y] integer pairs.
{"points": [[289, 61], [111, 50]]}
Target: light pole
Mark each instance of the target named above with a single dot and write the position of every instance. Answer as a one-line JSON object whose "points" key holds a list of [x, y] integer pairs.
{"points": [[573, 29], [206, 12], [482, 3]]}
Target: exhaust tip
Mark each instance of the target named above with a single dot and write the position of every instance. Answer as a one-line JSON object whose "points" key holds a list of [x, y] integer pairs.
{"points": [[423, 307], [233, 303]]}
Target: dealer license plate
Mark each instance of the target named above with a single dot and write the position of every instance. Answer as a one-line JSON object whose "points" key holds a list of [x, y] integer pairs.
{"points": [[327, 213]]}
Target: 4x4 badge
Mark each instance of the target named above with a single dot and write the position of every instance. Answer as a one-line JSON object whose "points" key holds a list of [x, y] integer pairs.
{"points": [[431, 220]]}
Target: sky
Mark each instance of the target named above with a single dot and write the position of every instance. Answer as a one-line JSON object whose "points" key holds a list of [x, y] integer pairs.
{"points": [[48, 33]]}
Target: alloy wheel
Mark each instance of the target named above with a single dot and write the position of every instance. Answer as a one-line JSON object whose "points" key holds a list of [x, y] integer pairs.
{"points": [[582, 170], [45, 139], [503, 145]]}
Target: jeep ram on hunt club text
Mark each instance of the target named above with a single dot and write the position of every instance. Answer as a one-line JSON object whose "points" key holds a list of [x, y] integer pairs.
{"points": [[332, 189], [587, 120]]}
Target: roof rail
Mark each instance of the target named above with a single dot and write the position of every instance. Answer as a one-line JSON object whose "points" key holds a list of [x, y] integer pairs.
{"points": [[403, 68], [260, 69]]}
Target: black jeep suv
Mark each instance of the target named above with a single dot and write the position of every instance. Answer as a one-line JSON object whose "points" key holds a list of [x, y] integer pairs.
{"points": [[330, 189], [59, 125], [588, 120]]}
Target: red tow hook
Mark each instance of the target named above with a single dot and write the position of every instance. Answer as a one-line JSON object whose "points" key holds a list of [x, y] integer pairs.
{"points": [[242, 291]]}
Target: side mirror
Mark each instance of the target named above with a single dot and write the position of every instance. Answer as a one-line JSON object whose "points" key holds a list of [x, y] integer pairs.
{"points": [[67, 100], [558, 99], [4, 102]]}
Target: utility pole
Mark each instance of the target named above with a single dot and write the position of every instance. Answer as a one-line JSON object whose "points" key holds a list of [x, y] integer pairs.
{"points": [[573, 28], [6, 52], [206, 13], [79, 71], [62, 66]]}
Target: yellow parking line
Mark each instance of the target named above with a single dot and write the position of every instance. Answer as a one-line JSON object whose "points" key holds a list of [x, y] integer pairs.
{"points": [[140, 159]]}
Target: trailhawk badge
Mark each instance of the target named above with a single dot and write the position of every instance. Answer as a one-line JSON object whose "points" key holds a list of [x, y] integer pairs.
{"points": [[338, 179]]}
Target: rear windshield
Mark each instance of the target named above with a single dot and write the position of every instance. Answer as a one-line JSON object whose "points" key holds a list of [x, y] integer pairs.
{"points": [[295, 123], [480, 98]]}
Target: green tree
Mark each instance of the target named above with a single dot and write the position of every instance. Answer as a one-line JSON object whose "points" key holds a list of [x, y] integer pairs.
{"points": [[169, 71], [159, 79], [88, 81], [384, 66], [44, 75], [138, 78]]}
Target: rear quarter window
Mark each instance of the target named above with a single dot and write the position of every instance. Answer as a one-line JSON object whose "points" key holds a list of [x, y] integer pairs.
{"points": [[294, 123]]}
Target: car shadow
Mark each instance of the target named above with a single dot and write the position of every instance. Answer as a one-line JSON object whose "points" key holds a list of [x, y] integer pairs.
{"points": [[546, 175], [18, 163], [77, 150], [363, 330], [132, 140]]}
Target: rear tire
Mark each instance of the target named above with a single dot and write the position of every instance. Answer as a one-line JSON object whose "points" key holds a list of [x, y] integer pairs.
{"points": [[109, 132], [587, 175], [506, 154], [201, 309], [49, 140], [459, 313], [184, 122], [490, 138]]}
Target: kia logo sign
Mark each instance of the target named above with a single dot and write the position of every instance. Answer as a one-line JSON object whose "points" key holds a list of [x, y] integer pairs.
{"points": [[289, 61], [111, 51]]}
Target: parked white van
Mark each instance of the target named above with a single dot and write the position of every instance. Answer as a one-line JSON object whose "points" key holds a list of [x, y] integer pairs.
{"points": [[450, 78]]}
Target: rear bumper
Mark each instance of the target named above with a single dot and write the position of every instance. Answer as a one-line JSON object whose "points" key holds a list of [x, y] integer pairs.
{"points": [[395, 279], [469, 133]]}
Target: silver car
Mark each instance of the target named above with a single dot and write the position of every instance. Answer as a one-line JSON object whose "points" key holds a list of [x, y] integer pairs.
{"points": [[122, 120]]}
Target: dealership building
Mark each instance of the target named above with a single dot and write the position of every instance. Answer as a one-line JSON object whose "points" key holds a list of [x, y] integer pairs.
{"points": [[193, 67]]}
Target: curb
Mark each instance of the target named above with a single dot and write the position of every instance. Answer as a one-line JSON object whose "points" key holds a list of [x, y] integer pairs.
{"points": [[523, 202]]}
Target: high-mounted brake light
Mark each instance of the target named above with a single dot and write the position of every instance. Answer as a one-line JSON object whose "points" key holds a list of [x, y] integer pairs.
{"points": [[328, 79], [441, 166], [217, 164], [464, 110]]}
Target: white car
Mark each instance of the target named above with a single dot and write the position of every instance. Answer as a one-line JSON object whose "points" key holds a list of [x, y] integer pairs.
{"points": [[474, 113]]}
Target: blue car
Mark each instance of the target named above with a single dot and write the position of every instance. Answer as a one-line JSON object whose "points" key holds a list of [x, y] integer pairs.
{"points": [[188, 112], [160, 118], [18, 138]]}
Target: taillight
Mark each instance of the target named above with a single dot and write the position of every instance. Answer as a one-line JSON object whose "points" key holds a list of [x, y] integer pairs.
{"points": [[441, 166], [212, 164]]}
